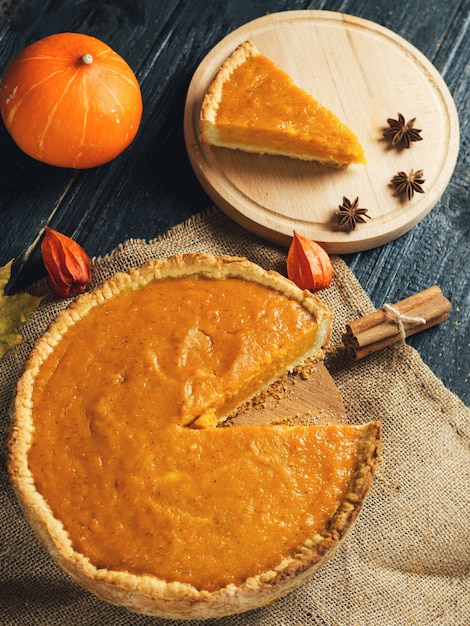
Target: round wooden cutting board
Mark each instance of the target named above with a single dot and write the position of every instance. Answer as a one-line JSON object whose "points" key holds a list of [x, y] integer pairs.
{"points": [[365, 74], [296, 399]]}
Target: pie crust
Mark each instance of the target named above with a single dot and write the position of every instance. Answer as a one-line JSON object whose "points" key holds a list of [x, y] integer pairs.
{"points": [[254, 106], [145, 593]]}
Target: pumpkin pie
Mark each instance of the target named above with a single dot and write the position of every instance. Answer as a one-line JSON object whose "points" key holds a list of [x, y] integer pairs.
{"points": [[128, 466], [253, 105]]}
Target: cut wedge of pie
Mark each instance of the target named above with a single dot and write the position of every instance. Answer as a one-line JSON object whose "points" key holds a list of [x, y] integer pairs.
{"points": [[128, 469], [253, 105]]}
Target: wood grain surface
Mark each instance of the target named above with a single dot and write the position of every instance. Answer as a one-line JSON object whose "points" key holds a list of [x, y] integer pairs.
{"points": [[331, 54], [308, 398], [151, 187]]}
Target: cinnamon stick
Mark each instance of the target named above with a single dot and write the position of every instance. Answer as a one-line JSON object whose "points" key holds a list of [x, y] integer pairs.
{"points": [[395, 322]]}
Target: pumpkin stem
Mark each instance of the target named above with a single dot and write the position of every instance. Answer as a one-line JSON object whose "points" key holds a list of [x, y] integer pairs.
{"points": [[87, 59]]}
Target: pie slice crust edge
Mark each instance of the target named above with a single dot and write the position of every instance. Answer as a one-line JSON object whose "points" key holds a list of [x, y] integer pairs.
{"points": [[209, 131]]}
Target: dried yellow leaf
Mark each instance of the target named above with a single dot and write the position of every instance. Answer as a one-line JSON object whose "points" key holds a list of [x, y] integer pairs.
{"points": [[14, 310]]}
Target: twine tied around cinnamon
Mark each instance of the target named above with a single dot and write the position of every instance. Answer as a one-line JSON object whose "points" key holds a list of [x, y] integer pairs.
{"points": [[392, 313], [395, 322]]}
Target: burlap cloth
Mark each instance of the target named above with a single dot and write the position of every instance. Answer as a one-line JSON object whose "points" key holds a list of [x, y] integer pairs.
{"points": [[407, 560]]}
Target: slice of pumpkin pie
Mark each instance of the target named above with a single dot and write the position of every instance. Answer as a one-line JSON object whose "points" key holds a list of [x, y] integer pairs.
{"points": [[254, 106], [128, 469]]}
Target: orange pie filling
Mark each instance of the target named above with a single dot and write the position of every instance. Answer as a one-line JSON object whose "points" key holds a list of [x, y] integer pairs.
{"points": [[207, 507], [138, 490], [258, 117]]}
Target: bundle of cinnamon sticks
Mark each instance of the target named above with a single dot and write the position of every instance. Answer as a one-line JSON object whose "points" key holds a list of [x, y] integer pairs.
{"points": [[393, 323]]}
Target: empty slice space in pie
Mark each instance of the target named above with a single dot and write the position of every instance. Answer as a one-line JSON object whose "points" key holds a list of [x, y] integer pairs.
{"points": [[254, 106], [128, 467]]}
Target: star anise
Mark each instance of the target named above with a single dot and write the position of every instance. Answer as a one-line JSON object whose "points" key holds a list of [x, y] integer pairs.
{"points": [[350, 214], [408, 183], [401, 131]]}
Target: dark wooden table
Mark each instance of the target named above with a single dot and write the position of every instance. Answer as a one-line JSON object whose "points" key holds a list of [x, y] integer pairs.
{"points": [[151, 187]]}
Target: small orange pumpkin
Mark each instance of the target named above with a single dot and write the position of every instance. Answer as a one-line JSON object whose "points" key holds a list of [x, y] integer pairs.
{"points": [[69, 100]]}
